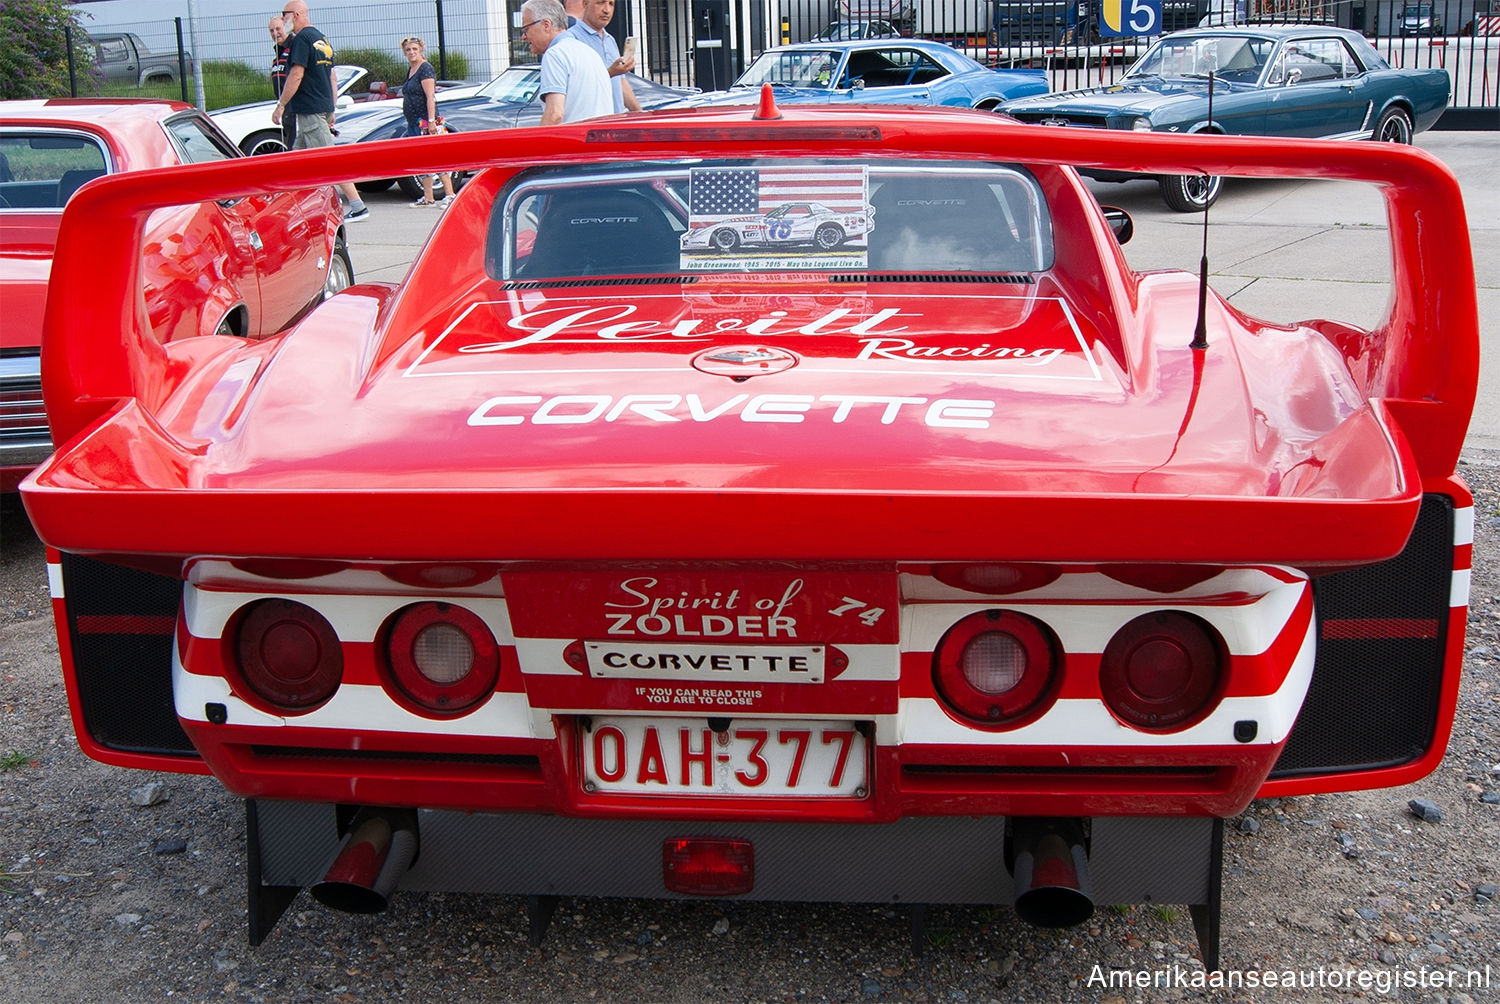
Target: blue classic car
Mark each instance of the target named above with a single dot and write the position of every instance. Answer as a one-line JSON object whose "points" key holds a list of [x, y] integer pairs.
{"points": [[888, 71], [1283, 80], [509, 100]]}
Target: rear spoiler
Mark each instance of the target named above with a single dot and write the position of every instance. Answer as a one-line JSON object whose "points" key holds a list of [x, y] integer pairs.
{"points": [[1422, 358]]}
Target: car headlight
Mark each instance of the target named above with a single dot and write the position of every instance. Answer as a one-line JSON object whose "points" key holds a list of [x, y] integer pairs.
{"points": [[1140, 125]]}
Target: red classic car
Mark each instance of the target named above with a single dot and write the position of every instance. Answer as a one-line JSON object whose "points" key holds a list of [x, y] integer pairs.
{"points": [[974, 568], [246, 266]]}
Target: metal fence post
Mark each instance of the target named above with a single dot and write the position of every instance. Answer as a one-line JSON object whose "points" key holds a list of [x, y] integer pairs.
{"points": [[72, 69], [182, 73], [442, 44]]}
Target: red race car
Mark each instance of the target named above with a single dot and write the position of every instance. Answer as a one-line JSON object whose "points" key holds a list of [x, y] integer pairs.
{"points": [[245, 267], [973, 567]]}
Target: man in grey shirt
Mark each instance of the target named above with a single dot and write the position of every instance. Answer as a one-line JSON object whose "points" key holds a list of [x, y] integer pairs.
{"points": [[590, 30]]}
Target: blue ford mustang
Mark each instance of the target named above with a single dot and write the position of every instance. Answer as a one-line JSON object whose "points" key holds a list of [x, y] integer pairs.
{"points": [[888, 71], [1284, 80]]}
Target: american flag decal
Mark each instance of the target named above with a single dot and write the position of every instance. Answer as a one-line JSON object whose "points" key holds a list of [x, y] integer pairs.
{"points": [[721, 193], [717, 193]]}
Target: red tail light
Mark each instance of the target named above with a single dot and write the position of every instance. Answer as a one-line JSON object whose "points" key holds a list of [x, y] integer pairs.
{"points": [[997, 668], [1163, 671], [708, 866], [288, 655], [441, 657], [1161, 578], [996, 579]]}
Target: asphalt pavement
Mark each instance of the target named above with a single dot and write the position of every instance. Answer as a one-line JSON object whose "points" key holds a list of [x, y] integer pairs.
{"points": [[1279, 250]]}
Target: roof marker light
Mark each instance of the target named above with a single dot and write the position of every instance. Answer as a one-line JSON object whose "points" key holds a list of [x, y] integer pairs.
{"points": [[767, 109]]}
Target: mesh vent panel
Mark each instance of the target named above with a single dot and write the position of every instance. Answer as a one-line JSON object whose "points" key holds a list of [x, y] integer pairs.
{"points": [[121, 625], [1373, 699]]}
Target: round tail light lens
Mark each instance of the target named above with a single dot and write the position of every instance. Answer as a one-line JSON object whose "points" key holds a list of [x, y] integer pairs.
{"points": [[997, 668], [1163, 671], [442, 658], [288, 655]]}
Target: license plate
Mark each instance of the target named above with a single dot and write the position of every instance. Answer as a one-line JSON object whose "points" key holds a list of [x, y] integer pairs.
{"points": [[753, 757]]}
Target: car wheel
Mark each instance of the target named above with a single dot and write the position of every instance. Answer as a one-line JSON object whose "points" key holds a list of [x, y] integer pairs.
{"points": [[340, 270], [726, 239], [1393, 126], [375, 184], [828, 237], [411, 185], [265, 141], [1190, 193]]}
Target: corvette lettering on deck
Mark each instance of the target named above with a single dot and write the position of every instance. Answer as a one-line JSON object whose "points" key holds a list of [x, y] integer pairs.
{"points": [[582, 409]]}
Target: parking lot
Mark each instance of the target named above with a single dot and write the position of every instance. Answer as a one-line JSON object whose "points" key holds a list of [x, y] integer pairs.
{"points": [[104, 899]]}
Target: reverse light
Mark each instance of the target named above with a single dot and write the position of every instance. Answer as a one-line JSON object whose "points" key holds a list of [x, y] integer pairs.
{"points": [[1163, 671], [997, 668], [441, 658], [708, 866], [288, 655]]}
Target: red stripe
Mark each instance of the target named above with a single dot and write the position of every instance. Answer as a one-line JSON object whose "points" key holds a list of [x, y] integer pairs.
{"points": [[1380, 627], [126, 624]]}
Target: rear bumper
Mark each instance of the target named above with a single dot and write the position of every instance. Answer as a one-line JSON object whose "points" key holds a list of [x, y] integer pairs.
{"points": [[950, 860], [523, 749]]}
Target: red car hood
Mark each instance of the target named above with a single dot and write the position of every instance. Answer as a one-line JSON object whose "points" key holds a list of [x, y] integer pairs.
{"points": [[1000, 402]]}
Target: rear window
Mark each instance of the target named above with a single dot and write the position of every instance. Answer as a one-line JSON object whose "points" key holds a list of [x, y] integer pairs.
{"points": [[767, 215], [41, 169]]}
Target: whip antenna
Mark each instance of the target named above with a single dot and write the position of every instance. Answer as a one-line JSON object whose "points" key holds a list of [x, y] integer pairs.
{"points": [[1200, 332]]}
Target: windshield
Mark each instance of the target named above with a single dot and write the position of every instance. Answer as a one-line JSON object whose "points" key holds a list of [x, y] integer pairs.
{"points": [[792, 68], [836, 31], [1230, 57], [743, 216], [518, 83], [42, 169]]}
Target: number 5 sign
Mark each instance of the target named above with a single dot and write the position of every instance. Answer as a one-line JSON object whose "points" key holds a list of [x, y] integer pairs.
{"points": [[1129, 17]]}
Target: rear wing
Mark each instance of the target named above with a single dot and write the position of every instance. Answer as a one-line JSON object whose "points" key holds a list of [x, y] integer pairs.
{"points": [[1421, 359]]}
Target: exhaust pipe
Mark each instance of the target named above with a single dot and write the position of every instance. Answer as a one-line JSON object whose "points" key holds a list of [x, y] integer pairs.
{"points": [[1051, 871], [378, 849]]}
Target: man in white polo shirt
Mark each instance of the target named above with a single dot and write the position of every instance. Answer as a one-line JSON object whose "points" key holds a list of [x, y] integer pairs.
{"points": [[574, 84], [590, 30]]}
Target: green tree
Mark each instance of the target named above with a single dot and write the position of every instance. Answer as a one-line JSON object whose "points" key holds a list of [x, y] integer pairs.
{"points": [[34, 59]]}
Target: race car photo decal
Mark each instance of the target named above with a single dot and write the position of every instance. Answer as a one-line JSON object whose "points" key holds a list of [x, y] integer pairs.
{"points": [[805, 217]]}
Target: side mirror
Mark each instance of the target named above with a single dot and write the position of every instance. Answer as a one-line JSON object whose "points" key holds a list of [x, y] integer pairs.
{"points": [[857, 84], [344, 101], [1120, 223], [1293, 77]]}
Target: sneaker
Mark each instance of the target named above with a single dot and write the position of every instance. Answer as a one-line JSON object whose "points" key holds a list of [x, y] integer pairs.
{"points": [[356, 215], [424, 204]]}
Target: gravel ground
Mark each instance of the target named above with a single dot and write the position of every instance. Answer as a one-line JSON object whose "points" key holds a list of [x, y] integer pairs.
{"points": [[103, 900]]}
